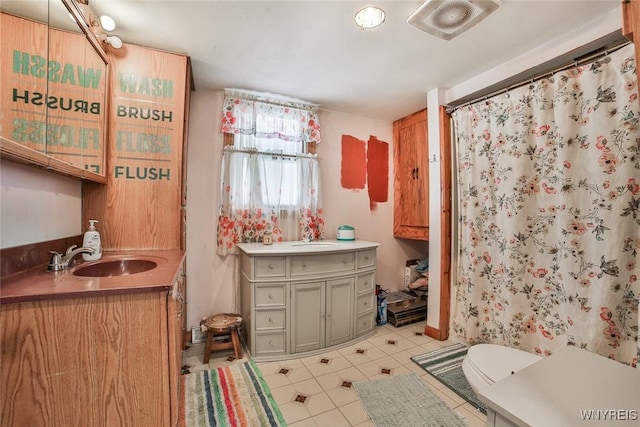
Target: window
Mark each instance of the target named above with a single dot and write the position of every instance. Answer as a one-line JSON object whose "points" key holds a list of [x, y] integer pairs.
{"points": [[270, 173]]}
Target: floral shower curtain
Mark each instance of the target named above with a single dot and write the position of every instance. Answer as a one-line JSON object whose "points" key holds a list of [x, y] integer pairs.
{"points": [[268, 183], [549, 213]]}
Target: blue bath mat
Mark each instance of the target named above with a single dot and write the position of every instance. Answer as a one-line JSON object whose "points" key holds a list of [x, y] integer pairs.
{"points": [[445, 365]]}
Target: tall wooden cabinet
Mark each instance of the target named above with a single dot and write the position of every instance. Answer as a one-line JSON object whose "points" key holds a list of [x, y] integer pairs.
{"points": [[142, 204], [411, 177]]}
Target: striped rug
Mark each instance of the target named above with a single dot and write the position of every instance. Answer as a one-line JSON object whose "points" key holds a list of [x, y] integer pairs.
{"points": [[235, 395], [445, 365]]}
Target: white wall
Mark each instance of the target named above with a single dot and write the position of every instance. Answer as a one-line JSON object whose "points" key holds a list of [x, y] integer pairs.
{"points": [[210, 277], [37, 205], [573, 39]]}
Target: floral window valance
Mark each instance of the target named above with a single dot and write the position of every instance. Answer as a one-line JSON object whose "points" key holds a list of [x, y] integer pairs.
{"points": [[244, 113]]}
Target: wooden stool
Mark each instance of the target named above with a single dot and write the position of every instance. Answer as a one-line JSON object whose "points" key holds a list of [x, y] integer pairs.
{"points": [[222, 324]]}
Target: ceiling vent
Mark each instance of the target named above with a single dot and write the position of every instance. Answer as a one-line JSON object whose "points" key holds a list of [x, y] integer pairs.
{"points": [[448, 18]]}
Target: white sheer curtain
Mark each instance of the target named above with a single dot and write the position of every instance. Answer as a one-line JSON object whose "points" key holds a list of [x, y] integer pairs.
{"points": [[269, 184]]}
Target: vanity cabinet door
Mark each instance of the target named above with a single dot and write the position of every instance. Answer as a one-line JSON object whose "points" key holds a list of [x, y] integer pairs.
{"points": [[321, 314], [339, 309], [93, 361], [307, 316]]}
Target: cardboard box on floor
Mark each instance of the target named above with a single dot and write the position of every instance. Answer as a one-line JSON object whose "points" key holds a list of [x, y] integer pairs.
{"points": [[410, 273]]}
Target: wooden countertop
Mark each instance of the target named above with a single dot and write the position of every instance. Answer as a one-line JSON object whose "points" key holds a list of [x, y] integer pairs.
{"points": [[38, 284]]}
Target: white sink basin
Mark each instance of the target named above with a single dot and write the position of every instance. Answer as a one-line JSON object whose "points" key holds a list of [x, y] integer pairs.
{"points": [[314, 244]]}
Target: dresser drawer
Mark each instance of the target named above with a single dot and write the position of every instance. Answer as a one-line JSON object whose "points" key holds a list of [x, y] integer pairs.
{"points": [[305, 265], [272, 343], [269, 266], [270, 295], [366, 258], [365, 323], [270, 319], [365, 282], [364, 303]]}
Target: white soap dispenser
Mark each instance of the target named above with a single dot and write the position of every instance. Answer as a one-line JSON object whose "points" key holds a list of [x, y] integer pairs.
{"points": [[92, 240]]}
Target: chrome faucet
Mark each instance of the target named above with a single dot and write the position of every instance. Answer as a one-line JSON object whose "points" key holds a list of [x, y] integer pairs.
{"points": [[62, 262]]}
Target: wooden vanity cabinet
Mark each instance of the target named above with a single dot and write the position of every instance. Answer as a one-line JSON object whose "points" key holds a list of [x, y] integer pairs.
{"points": [[103, 360], [411, 177]]}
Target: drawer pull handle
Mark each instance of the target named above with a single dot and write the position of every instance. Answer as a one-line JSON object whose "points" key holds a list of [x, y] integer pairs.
{"points": [[366, 258], [270, 321], [344, 261], [270, 267], [270, 296], [366, 303], [270, 344], [366, 284]]}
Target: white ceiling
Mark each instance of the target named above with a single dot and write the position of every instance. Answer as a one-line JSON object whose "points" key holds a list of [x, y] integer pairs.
{"points": [[313, 50]]}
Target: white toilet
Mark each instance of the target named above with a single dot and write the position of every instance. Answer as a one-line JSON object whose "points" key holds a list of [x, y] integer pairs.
{"points": [[486, 364]]}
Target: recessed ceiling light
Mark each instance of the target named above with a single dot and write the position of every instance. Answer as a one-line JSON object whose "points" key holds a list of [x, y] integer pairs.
{"points": [[369, 17]]}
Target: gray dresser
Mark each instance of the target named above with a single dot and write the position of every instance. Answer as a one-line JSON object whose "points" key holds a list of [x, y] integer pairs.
{"points": [[301, 298]]}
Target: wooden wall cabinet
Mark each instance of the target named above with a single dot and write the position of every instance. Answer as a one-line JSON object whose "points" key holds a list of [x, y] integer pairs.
{"points": [[102, 361], [142, 204], [52, 118], [411, 177]]}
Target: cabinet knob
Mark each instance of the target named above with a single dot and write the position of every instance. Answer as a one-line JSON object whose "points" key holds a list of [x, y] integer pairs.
{"points": [[270, 321], [344, 261], [366, 258], [270, 296], [304, 265], [366, 284], [270, 267], [270, 344], [366, 303]]}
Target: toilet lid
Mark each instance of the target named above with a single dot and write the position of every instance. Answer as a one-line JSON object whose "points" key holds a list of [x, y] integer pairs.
{"points": [[497, 362]]}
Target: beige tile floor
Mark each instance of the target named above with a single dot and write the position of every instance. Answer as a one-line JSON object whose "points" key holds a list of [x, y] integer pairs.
{"points": [[313, 391]]}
